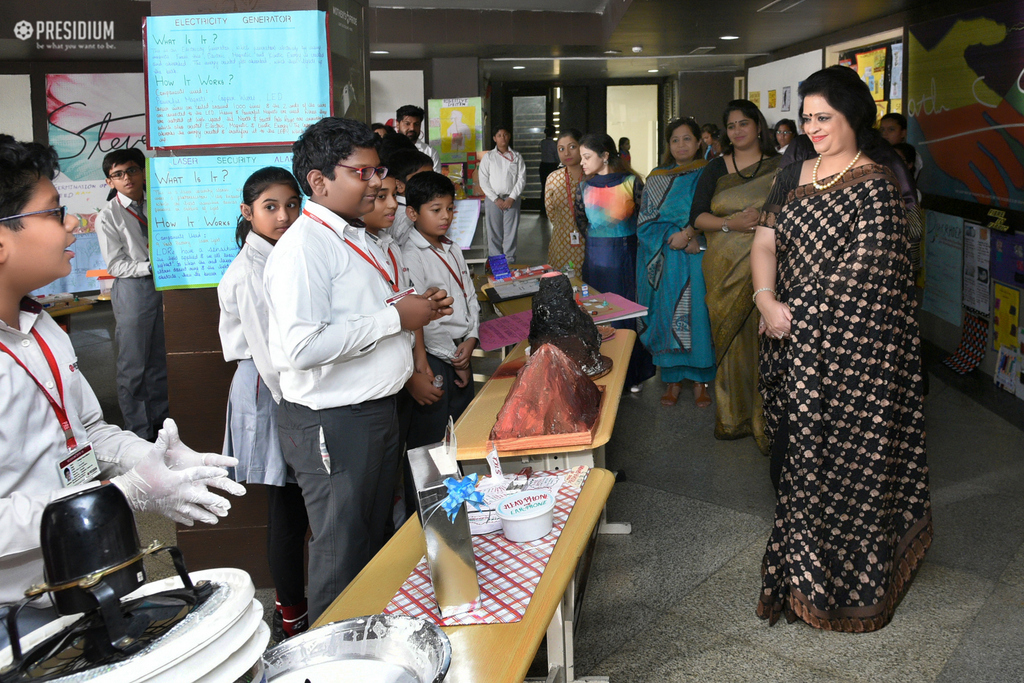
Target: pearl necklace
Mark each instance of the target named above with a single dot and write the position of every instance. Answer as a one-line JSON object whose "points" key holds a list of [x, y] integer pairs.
{"points": [[836, 179]]}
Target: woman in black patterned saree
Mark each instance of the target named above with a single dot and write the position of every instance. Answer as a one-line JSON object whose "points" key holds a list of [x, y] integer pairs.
{"points": [[840, 374]]}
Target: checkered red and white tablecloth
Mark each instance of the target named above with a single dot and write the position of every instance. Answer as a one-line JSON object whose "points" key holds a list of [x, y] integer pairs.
{"points": [[508, 574]]}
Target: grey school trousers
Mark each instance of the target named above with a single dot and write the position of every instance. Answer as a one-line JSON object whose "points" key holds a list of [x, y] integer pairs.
{"points": [[502, 229], [347, 486], [141, 354]]}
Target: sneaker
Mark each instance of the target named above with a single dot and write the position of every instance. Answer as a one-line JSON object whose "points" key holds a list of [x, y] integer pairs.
{"points": [[636, 388], [277, 633]]}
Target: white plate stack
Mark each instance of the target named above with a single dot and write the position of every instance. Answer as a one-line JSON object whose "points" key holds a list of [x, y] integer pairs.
{"points": [[221, 647]]}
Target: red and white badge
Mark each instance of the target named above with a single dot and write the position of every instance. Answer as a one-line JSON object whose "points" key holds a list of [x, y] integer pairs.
{"points": [[392, 300], [80, 467]]}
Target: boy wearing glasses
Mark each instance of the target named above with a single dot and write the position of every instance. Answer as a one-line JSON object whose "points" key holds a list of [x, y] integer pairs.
{"points": [[138, 308], [53, 439], [341, 336]]}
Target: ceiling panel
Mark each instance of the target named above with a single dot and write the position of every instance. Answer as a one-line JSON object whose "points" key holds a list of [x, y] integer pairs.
{"points": [[524, 5]]}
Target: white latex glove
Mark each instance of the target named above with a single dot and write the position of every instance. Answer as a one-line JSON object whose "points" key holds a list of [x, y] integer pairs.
{"points": [[181, 495], [180, 457]]}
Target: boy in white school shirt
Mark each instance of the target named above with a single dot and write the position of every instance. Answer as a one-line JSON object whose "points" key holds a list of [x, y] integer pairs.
{"points": [[433, 260], [50, 413], [123, 237], [340, 335], [402, 165], [502, 175]]}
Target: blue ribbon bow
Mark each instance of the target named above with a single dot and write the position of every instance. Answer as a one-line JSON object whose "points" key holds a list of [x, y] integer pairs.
{"points": [[459, 492]]}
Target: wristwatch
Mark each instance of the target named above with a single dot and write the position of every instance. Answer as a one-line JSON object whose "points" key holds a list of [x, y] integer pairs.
{"points": [[725, 226]]}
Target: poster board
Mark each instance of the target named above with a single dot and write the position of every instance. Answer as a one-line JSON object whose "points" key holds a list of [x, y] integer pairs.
{"points": [[871, 69], [1006, 316], [977, 280], [944, 235], [87, 117], [217, 80], [193, 212], [456, 127], [963, 105], [784, 77]]}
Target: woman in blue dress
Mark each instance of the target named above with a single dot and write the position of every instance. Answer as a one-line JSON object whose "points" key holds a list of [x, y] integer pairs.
{"points": [[677, 329], [607, 204]]}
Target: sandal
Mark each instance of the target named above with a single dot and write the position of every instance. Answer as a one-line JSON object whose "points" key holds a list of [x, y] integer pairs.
{"points": [[671, 394], [700, 394]]}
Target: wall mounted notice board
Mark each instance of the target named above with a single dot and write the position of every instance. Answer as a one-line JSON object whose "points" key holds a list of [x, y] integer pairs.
{"points": [[193, 211], [218, 80]]}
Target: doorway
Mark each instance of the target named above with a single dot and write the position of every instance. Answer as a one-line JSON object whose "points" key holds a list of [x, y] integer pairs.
{"points": [[633, 114]]}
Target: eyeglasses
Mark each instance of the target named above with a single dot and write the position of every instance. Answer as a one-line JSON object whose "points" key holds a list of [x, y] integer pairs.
{"points": [[783, 132], [61, 211], [130, 171], [367, 172]]}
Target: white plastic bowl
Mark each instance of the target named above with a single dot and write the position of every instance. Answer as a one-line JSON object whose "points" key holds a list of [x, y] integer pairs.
{"points": [[527, 515]]}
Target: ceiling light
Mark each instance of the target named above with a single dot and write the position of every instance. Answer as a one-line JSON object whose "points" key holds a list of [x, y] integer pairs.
{"points": [[518, 67], [652, 71], [729, 37], [379, 52], [637, 49], [613, 52]]}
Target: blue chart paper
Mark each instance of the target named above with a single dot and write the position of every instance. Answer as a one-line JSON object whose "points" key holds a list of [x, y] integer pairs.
{"points": [[193, 211], [235, 79], [944, 250]]}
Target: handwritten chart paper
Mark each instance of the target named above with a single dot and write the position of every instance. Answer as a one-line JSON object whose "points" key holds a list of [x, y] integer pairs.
{"points": [[235, 79], [193, 211]]}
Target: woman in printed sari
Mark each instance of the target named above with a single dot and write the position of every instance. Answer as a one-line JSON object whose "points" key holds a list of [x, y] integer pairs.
{"points": [[676, 330], [840, 373], [566, 245], [726, 207]]}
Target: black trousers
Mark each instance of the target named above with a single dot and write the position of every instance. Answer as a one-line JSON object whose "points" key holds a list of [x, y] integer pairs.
{"points": [[346, 462], [286, 540], [427, 423]]}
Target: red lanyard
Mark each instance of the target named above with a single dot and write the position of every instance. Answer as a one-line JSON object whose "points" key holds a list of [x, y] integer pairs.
{"points": [[458, 278], [58, 409], [137, 217], [511, 158], [369, 258]]}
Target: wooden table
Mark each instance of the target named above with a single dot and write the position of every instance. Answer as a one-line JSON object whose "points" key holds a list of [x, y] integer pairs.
{"points": [[525, 303], [492, 653]]}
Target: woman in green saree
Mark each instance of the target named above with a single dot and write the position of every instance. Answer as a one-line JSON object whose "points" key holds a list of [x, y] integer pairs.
{"points": [[726, 208]]}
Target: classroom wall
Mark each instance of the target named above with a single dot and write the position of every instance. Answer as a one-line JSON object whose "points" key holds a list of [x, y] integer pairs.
{"points": [[390, 90], [778, 75], [704, 94]]}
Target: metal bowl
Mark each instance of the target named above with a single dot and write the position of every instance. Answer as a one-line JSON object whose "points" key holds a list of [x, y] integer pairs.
{"points": [[403, 649]]}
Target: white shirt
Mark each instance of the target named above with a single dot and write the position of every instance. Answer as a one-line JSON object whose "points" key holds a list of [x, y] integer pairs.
{"points": [[427, 269], [244, 319], [424, 146], [402, 226], [124, 242], [32, 442], [332, 337], [502, 175]]}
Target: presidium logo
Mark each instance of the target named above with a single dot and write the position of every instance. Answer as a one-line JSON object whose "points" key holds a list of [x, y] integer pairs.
{"points": [[66, 31]]}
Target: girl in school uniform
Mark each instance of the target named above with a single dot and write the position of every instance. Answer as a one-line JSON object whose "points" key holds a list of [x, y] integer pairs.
{"points": [[271, 202]]}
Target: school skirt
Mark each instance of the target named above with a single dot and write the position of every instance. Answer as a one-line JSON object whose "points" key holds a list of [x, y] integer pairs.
{"points": [[250, 432]]}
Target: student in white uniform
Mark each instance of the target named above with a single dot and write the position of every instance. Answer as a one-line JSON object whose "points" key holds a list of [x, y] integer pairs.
{"points": [[52, 425], [402, 165], [502, 176], [337, 336], [271, 201], [138, 307], [409, 122], [434, 260]]}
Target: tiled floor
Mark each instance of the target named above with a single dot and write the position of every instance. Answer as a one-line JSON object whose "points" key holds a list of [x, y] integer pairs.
{"points": [[674, 601]]}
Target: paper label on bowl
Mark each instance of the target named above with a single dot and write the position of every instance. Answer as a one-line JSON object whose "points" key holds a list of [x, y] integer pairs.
{"points": [[525, 504]]}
